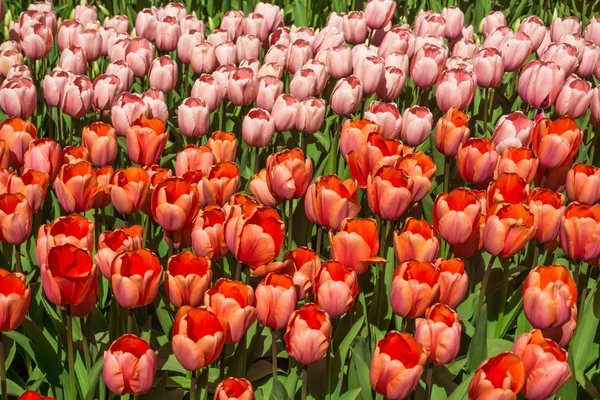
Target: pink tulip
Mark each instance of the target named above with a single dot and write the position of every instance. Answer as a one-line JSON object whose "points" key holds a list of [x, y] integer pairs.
{"points": [[121, 70], [392, 84], [129, 366], [276, 54], [120, 23], [491, 21], [258, 128], [193, 117], [476, 160], [540, 82], [203, 59], [271, 13], [163, 74], [68, 32], [454, 88], [106, 88], [9, 58], [248, 46], [488, 66], [284, 112], [256, 24], [512, 130], [73, 60], [336, 288], [347, 95], [78, 96], [370, 71], [416, 125], [187, 42], [533, 27], [415, 287], [116, 46], [225, 53], [18, 97], [207, 88], [167, 33], [455, 20], [100, 140], [303, 84], [242, 87], [91, 43], [276, 298], [397, 39], [43, 155], [127, 108], [36, 40], [354, 26], [465, 48], [426, 65], [298, 54], [439, 334], [232, 22], [379, 13], [574, 98], [387, 116], [561, 26], [139, 54], [327, 38]]}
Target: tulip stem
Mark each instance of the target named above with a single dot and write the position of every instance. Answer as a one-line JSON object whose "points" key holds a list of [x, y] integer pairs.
{"points": [[486, 278], [290, 221], [593, 147], [304, 381], [429, 381], [18, 257], [485, 110], [238, 271], [506, 269], [446, 173], [3, 369], [193, 385], [86, 346], [319, 240], [222, 364], [130, 318], [274, 352], [584, 285], [70, 354]]}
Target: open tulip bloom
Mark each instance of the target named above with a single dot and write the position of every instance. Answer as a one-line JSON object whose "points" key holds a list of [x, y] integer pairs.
{"points": [[299, 199]]}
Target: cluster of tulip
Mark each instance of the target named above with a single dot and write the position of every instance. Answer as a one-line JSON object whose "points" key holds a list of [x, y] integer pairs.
{"points": [[512, 201]]}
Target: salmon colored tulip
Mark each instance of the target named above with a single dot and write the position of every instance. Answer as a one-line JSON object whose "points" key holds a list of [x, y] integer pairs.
{"points": [[397, 365], [135, 277], [276, 298], [456, 215], [174, 204], [439, 333], [451, 131], [223, 145], [416, 241], [389, 192], [73, 229], [356, 245], [520, 161], [129, 366], [17, 134], [336, 288], [44, 155], [146, 140], [111, 243], [187, 279], [474, 242], [421, 170], [562, 334], [158, 175], [453, 281], [508, 229], [499, 377], [219, 184], [549, 294], [68, 276], [76, 186], [289, 173], [329, 200], [476, 160], [555, 143], [193, 158], [129, 189], [15, 296], [234, 301], [74, 154], [415, 287], [508, 187], [548, 207], [308, 334], [546, 365], [302, 265], [234, 389], [198, 337], [259, 187], [100, 140], [583, 183], [208, 233], [15, 218], [355, 133], [32, 184], [580, 232]]}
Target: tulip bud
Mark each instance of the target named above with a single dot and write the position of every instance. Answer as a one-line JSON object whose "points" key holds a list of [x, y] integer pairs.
{"points": [[135, 277], [347, 96], [308, 333], [574, 98], [146, 140], [416, 241], [476, 160], [129, 366], [416, 125], [540, 82], [450, 131], [555, 143], [426, 65], [258, 128], [234, 388], [18, 97], [356, 245], [193, 117], [162, 74], [502, 376]]}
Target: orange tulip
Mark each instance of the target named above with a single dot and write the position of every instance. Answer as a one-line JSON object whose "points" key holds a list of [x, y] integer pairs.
{"points": [[336, 288], [453, 281], [100, 140], [4, 155], [208, 233], [192, 158], [439, 333], [15, 296], [580, 232], [519, 161], [396, 365], [451, 131], [234, 301], [473, 244], [508, 187], [389, 192], [146, 140], [583, 183], [135, 277], [329, 200], [476, 160], [302, 265], [223, 145], [76, 186], [157, 175], [187, 279], [104, 177], [259, 187], [198, 337], [415, 286], [17, 134], [421, 169], [456, 215], [354, 134], [32, 184], [174, 204], [234, 389], [129, 189], [289, 174], [276, 298], [555, 143], [508, 228], [74, 229], [548, 207], [499, 377], [43, 155], [220, 183], [308, 334], [416, 241], [562, 334], [111, 243], [15, 218], [356, 245], [75, 154]]}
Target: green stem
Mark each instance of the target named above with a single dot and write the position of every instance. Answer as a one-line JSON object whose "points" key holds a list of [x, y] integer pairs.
{"points": [[222, 364], [290, 222], [147, 223], [18, 258], [71, 353], [593, 146], [446, 173], [319, 240], [429, 381], [274, 352], [304, 382], [238, 271], [328, 369], [486, 278], [506, 270], [86, 346], [130, 318], [381, 293], [584, 286], [485, 110], [3, 369], [193, 385]]}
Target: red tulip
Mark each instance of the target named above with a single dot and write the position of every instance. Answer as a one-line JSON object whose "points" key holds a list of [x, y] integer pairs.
{"points": [[135, 277], [73, 229], [451, 131], [499, 377], [389, 192], [174, 204], [476, 160], [439, 333], [15, 217], [110, 243], [508, 228], [456, 215], [289, 174], [508, 187], [548, 207], [31, 395], [356, 245], [329, 200], [308, 333], [276, 298], [555, 143], [146, 140], [32, 184], [15, 296], [416, 241], [187, 279], [129, 189], [234, 388], [583, 183], [518, 161], [17, 134]]}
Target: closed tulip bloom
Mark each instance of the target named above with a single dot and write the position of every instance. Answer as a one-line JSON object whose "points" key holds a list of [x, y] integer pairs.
{"points": [[354, 27], [225, 53], [258, 128], [75, 186], [232, 22], [32, 184], [18, 97], [187, 42], [389, 191], [397, 365], [298, 54], [111, 243], [276, 55], [36, 40], [583, 183], [432, 24], [146, 22], [456, 215], [135, 277], [146, 140], [379, 13], [289, 174], [421, 170], [203, 58], [439, 333], [124, 73], [234, 388], [564, 55], [561, 26], [426, 65], [493, 20], [450, 131], [499, 377], [453, 281], [519, 161], [15, 296], [339, 61], [8, 59], [72, 229], [129, 189], [540, 82], [208, 233], [242, 87], [370, 71], [18, 71], [508, 187], [100, 140], [329, 200], [455, 19], [68, 277], [308, 333], [198, 337], [17, 134], [546, 365], [336, 288], [90, 42], [269, 89], [167, 34], [508, 228], [302, 264], [454, 89], [193, 117], [256, 24], [574, 98], [592, 31], [533, 27], [387, 116], [476, 160], [327, 38], [68, 32], [488, 66], [555, 143], [207, 88], [85, 14], [223, 145], [106, 88], [310, 114], [416, 241], [415, 287], [119, 23], [187, 279], [276, 298], [77, 97], [129, 366], [356, 245], [162, 74], [579, 232], [74, 154], [347, 96], [416, 125], [193, 158], [285, 108], [219, 184], [234, 301], [303, 84], [512, 130], [515, 49], [589, 61], [562, 334], [174, 204], [246, 46], [548, 207]]}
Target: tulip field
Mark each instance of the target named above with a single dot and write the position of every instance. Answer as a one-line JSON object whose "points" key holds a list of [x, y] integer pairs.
{"points": [[299, 199]]}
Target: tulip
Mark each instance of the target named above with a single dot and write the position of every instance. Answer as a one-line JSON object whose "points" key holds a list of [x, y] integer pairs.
{"points": [[454, 89], [129, 189], [308, 333], [499, 377], [488, 66], [454, 22], [17, 134], [68, 32], [491, 21], [242, 87], [16, 217], [110, 243], [15, 297], [564, 55], [392, 83], [85, 14], [119, 23], [421, 169], [416, 125], [18, 71], [562, 334], [302, 264], [303, 84], [508, 228], [515, 49], [187, 42], [145, 23], [555, 143], [135, 277], [68, 276], [193, 117], [456, 215], [31, 395], [387, 116], [276, 298], [198, 337], [508, 187], [106, 88], [119, 69], [589, 61], [73, 229], [100, 140], [77, 97], [75, 186], [548, 207], [451, 131], [187, 279], [203, 58], [356, 245], [416, 241], [439, 333], [583, 183], [74, 154], [415, 287], [8, 59], [129, 366], [174, 204], [36, 40], [18, 97], [476, 160], [561, 26], [234, 388], [146, 140], [346, 96], [329, 200], [225, 53], [269, 89], [574, 98], [379, 13], [43, 155], [519, 161], [162, 74], [32, 184], [540, 82], [258, 128], [90, 41], [396, 365], [336, 288], [167, 34], [289, 174], [370, 71], [223, 145], [579, 230], [327, 38], [426, 65], [533, 27], [219, 184], [271, 14], [399, 38], [389, 192], [207, 89], [193, 158], [512, 130], [276, 55], [232, 23], [339, 61]]}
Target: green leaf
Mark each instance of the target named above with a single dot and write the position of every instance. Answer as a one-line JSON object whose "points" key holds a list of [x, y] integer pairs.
{"points": [[278, 392], [583, 348], [478, 347], [360, 353], [351, 394], [460, 392], [569, 389], [94, 378]]}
